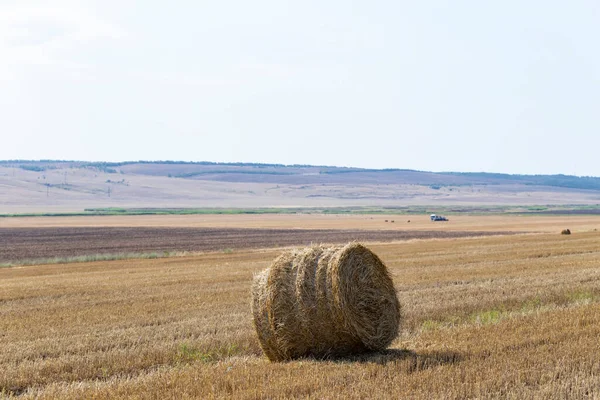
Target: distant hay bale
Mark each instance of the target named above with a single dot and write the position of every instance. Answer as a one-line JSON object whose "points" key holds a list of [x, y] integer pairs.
{"points": [[565, 232], [324, 301]]}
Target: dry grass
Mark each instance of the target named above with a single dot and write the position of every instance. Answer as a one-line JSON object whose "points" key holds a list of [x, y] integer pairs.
{"points": [[533, 223], [511, 317]]}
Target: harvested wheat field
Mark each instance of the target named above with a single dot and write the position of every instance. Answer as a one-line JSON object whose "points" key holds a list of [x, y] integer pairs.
{"points": [[492, 222], [499, 316]]}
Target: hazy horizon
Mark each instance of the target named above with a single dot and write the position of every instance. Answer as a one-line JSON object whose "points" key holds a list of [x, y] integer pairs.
{"points": [[505, 87], [280, 164]]}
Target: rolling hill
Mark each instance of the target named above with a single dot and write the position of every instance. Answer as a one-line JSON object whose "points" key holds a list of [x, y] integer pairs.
{"points": [[61, 186]]}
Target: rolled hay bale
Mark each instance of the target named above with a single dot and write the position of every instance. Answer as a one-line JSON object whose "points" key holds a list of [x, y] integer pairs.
{"points": [[565, 232], [324, 301]]}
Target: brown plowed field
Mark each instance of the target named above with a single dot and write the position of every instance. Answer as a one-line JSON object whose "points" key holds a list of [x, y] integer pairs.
{"points": [[33, 243]]}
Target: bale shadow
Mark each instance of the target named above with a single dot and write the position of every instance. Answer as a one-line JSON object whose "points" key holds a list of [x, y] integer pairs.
{"points": [[409, 360]]}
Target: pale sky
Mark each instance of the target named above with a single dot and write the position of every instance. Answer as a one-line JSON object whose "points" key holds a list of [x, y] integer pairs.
{"points": [[504, 86]]}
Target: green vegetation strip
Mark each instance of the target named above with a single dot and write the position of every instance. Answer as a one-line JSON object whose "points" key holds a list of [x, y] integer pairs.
{"points": [[102, 257], [88, 258]]}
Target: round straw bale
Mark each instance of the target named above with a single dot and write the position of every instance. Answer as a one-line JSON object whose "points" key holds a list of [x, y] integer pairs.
{"points": [[324, 301]]}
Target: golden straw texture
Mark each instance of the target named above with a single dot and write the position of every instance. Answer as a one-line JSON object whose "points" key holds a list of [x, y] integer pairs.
{"points": [[325, 301]]}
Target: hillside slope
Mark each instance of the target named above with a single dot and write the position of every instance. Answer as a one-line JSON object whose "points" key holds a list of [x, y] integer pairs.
{"points": [[47, 186]]}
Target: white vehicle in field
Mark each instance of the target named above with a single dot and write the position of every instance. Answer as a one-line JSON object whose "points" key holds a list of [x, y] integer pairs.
{"points": [[435, 217]]}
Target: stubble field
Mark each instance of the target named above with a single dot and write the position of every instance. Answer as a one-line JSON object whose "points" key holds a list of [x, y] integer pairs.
{"points": [[514, 316]]}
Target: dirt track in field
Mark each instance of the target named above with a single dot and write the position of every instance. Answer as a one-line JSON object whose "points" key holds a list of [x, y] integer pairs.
{"points": [[34, 243]]}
